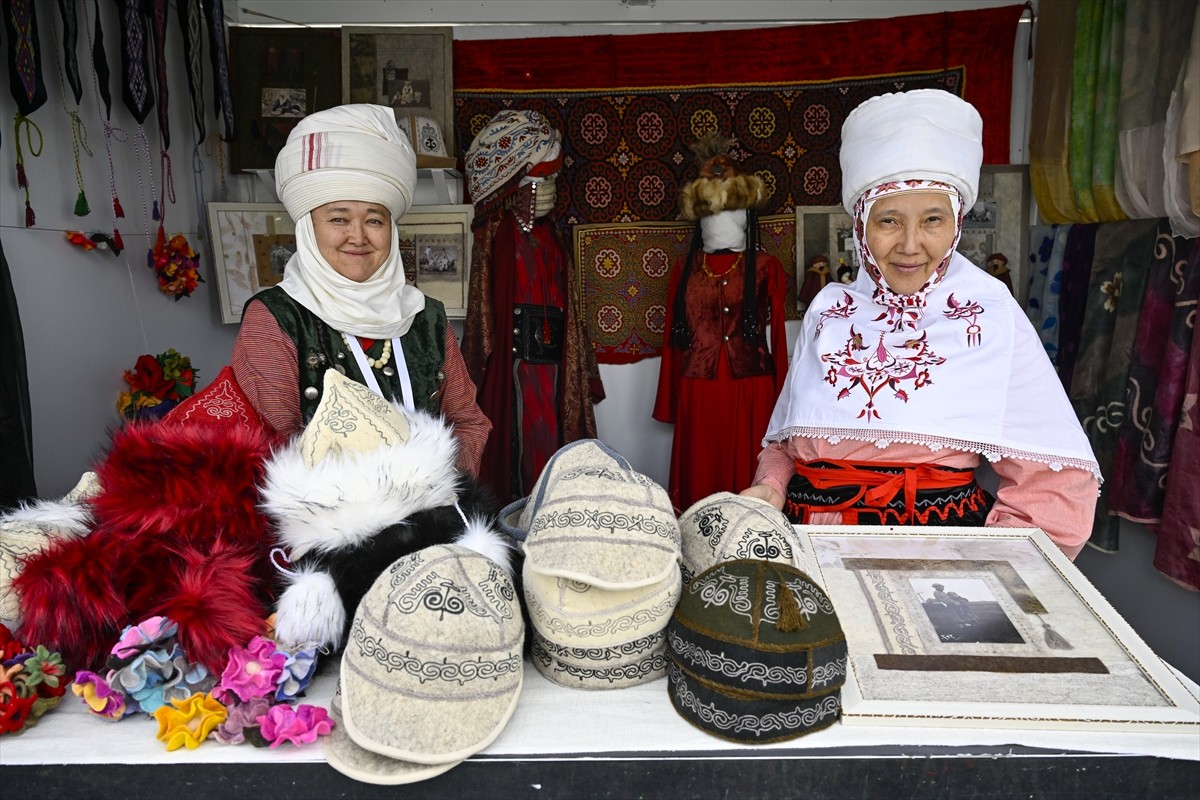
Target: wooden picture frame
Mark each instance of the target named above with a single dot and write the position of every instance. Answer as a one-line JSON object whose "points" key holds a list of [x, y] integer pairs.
{"points": [[435, 244], [282, 75], [1027, 643], [251, 243], [410, 70]]}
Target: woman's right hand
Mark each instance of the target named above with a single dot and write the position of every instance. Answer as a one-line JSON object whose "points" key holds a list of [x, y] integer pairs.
{"points": [[761, 491]]}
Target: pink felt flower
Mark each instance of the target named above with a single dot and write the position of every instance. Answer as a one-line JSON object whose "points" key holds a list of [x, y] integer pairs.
{"points": [[102, 700], [148, 633], [252, 671], [299, 725]]}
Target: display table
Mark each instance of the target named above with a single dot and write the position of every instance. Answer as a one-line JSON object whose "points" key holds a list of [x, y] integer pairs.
{"points": [[564, 743]]}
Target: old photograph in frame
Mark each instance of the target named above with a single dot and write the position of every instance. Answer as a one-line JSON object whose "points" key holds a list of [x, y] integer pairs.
{"points": [[411, 71], [282, 75], [825, 231], [251, 244], [435, 245], [998, 223], [985, 627]]}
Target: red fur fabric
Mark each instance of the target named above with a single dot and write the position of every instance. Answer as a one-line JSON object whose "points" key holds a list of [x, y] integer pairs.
{"points": [[177, 532]]}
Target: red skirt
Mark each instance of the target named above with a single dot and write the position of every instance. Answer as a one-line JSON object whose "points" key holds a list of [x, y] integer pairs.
{"points": [[719, 427]]}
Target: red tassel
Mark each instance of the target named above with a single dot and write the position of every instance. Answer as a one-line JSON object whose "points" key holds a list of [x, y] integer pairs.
{"points": [[30, 219], [117, 210], [22, 182], [118, 242]]}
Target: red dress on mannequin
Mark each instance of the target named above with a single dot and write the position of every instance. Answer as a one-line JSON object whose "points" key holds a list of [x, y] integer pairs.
{"points": [[720, 391]]}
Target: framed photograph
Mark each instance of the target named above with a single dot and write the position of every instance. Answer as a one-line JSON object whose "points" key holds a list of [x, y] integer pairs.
{"points": [[282, 75], [985, 627], [435, 243], [252, 243], [410, 70], [824, 231]]}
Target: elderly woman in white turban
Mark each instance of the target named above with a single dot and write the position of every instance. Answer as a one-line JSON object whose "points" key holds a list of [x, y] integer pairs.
{"points": [[901, 383], [346, 175]]}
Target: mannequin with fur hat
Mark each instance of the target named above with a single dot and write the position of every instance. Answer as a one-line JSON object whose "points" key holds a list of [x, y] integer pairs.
{"points": [[725, 354], [523, 342]]}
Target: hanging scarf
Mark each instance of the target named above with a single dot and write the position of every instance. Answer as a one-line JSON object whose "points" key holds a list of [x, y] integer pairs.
{"points": [[70, 65], [214, 12], [366, 308], [191, 26], [954, 365], [138, 95], [25, 82], [100, 82]]}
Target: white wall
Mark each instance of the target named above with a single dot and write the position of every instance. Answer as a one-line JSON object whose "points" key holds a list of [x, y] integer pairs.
{"points": [[87, 316]]}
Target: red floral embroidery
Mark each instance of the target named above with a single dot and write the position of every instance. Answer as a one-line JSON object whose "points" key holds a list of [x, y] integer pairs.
{"points": [[875, 368]]}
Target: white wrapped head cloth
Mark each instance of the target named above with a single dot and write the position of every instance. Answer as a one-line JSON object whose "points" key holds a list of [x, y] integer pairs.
{"points": [[925, 134], [351, 152]]}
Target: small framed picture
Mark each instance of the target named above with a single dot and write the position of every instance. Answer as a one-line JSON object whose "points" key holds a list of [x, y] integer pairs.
{"points": [[435, 244], [251, 243]]}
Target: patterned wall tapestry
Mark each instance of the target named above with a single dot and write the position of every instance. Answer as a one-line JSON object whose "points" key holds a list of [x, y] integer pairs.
{"points": [[629, 107], [623, 271]]}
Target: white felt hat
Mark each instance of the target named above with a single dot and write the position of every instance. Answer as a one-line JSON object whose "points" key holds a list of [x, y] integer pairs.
{"points": [[925, 134], [726, 527]]}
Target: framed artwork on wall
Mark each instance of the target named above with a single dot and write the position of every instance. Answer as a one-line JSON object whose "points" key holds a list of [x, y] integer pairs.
{"points": [[435, 244], [251, 244], [999, 224], [825, 231], [411, 71], [282, 75], [985, 627]]}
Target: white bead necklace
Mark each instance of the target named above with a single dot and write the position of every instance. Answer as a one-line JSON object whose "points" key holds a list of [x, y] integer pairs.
{"points": [[384, 357]]}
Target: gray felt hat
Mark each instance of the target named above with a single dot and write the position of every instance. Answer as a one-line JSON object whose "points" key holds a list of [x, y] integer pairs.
{"points": [[433, 668], [726, 527], [630, 664], [757, 653]]}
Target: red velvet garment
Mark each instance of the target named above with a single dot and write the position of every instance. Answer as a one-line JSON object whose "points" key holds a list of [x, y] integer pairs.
{"points": [[720, 392]]}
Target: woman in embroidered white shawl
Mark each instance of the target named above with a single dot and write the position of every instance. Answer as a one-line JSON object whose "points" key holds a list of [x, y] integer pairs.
{"points": [[902, 383]]}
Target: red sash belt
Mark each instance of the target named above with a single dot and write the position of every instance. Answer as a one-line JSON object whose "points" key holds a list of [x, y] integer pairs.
{"points": [[877, 489]]}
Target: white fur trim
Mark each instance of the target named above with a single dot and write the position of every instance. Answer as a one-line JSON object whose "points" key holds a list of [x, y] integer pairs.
{"points": [[310, 611], [59, 518], [487, 542], [347, 498]]}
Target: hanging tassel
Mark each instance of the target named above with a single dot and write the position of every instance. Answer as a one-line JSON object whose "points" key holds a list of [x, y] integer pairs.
{"points": [[790, 618], [1054, 639], [118, 212], [81, 205], [118, 242], [22, 182], [30, 219], [154, 212]]}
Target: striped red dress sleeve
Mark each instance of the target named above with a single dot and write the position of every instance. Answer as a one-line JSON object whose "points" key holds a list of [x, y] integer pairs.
{"points": [[471, 425], [267, 370]]}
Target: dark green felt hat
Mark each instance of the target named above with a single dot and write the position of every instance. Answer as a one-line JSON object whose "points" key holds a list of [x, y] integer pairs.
{"points": [[757, 653]]}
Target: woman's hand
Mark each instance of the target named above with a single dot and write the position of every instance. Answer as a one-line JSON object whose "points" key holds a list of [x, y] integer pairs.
{"points": [[761, 491]]}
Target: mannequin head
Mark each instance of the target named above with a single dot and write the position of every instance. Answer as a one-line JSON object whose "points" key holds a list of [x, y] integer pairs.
{"points": [[544, 192]]}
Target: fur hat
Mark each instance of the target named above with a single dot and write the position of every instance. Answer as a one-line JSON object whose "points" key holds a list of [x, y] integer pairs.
{"points": [[32, 527], [175, 531], [726, 527], [362, 485], [720, 187], [757, 653], [925, 134], [433, 669]]}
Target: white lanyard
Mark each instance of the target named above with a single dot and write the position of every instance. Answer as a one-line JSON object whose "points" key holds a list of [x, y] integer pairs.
{"points": [[360, 358]]}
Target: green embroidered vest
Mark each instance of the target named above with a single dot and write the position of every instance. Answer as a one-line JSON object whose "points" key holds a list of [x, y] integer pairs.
{"points": [[319, 347]]}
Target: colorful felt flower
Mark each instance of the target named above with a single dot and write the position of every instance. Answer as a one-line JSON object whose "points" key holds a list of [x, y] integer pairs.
{"points": [[101, 699], [15, 710], [297, 674], [299, 725], [176, 265], [46, 671], [252, 671], [147, 634], [156, 385], [241, 719], [187, 723]]}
